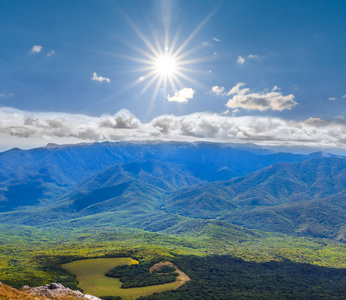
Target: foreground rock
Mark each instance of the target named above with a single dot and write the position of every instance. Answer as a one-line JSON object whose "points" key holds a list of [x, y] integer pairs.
{"points": [[51, 291]]}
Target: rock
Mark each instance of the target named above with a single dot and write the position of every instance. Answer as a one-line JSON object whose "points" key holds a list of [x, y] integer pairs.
{"points": [[25, 287], [54, 286], [57, 291], [89, 297]]}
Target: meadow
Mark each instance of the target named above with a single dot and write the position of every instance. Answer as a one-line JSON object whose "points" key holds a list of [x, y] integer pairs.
{"points": [[92, 280]]}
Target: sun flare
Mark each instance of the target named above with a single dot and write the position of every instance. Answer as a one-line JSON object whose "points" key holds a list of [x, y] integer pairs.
{"points": [[165, 65]]}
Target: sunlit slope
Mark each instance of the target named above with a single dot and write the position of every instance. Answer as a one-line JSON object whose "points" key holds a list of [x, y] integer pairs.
{"points": [[306, 198]]}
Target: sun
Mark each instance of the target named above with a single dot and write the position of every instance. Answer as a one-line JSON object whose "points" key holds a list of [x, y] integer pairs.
{"points": [[166, 65]]}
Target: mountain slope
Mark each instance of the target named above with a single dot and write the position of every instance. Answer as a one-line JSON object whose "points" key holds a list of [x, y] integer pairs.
{"points": [[306, 198], [154, 186], [45, 174]]}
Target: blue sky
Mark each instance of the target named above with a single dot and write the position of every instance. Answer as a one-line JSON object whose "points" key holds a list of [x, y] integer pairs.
{"points": [[240, 63]]}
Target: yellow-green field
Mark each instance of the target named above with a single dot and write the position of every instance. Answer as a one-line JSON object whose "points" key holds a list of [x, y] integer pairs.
{"points": [[92, 279]]}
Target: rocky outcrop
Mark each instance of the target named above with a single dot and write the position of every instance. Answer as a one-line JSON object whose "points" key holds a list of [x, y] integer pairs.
{"points": [[57, 291], [52, 291]]}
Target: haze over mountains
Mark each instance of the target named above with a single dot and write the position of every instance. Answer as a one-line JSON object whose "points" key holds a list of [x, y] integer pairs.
{"points": [[175, 188]]}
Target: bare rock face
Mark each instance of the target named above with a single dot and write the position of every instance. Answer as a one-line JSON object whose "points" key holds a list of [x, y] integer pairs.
{"points": [[57, 291]]}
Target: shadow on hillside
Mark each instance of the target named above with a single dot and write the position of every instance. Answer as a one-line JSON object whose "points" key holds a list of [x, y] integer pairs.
{"points": [[226, 277]]}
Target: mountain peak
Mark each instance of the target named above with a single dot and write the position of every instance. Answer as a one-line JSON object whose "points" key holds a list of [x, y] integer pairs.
{"points": [[320, 154], [52, 145]]}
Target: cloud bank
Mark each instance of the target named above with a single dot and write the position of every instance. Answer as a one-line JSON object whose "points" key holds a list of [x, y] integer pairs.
{"points": [[63, 127]]}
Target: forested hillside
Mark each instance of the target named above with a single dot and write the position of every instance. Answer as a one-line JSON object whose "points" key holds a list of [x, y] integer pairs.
{"points": [[222, 214]]}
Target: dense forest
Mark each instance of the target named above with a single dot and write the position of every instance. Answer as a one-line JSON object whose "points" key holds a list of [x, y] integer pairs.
{"points": [[226, 277], [139, 275]]}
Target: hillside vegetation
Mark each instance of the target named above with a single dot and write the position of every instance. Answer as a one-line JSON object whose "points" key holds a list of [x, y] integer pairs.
{"points": [[306, 198], [159, 187], [202, 206]]}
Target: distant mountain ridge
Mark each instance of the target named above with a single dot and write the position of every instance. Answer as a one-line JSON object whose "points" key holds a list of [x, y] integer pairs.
{"points": [[163, 187], [54, 169]]}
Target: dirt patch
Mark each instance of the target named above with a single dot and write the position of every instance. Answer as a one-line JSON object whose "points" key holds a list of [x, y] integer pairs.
{"points": [[182, 278]]}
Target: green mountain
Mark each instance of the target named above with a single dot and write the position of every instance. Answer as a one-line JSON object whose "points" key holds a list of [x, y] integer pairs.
{"points": [[306, 198], [123, 185], [44, 175]]}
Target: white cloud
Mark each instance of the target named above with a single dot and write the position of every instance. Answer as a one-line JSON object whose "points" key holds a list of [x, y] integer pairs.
{"points": [[331, 98], [252, 56], [182, 96], [339, 118], [142, 78], [237, 89], [50, 53], [315, 122], [100, 78], [17, 125], [225, 112], [259, 101], [218, 90], [216, 39], [344, 96], [36, 49], [240, 60]]}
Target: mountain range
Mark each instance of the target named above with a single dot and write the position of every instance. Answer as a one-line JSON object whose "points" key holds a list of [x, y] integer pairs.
{"points": [[175, 188]]}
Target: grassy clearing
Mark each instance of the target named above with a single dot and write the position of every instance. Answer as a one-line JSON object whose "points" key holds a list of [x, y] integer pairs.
{"points": [[92, 279]]}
